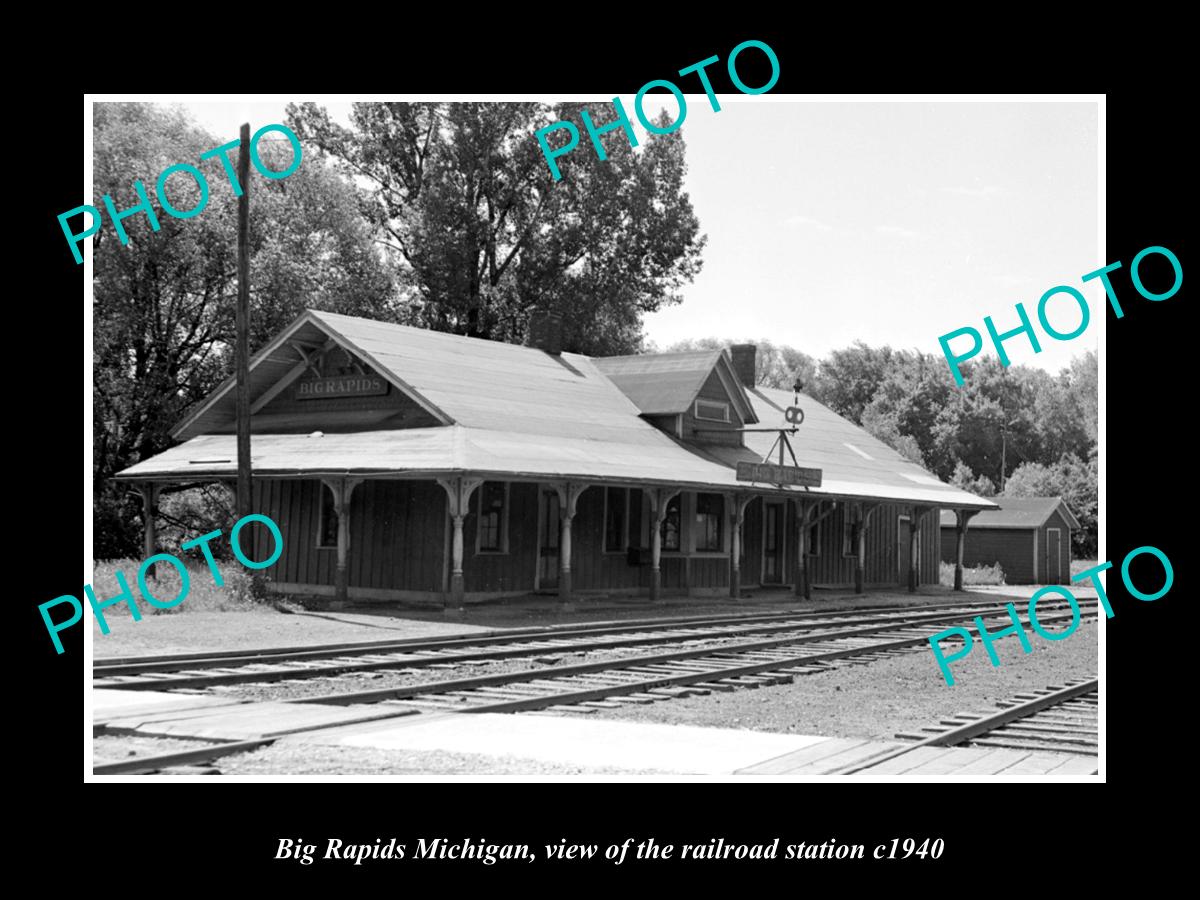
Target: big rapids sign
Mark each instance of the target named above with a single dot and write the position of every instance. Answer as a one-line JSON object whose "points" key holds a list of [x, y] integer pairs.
{"points": [[341, 386]]}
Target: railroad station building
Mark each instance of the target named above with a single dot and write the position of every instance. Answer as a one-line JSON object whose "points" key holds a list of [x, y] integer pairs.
{"points": [[405, 464]]}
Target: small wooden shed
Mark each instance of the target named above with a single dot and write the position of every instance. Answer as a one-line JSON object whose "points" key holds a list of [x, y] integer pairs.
{"points": [[1030, 537]]}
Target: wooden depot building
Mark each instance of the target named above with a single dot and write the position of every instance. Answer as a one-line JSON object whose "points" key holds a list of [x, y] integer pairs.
{"points": [[1030, 538], [404, 464]]}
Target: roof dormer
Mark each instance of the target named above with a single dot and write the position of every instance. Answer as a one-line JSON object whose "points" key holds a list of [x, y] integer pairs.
{"points": [[697, 396]]}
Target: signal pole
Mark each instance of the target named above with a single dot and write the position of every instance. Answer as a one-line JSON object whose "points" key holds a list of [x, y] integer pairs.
{"points": [[241, 350]]}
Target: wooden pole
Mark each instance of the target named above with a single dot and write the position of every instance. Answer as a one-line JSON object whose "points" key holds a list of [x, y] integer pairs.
{"points": [[963, 521], [568, 498], [737, 517], [458, 502], [912, 550], [656, 519], [150, 531], [860, 554], [242, 344], [801, 547]]}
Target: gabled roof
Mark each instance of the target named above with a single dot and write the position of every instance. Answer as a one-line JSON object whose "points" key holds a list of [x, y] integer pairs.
{"points": [[668, 383], [469, 381], [1018, 512], [518, 412]]}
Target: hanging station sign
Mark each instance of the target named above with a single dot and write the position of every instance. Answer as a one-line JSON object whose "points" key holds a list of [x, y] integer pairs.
{"points": [[769, 473]]}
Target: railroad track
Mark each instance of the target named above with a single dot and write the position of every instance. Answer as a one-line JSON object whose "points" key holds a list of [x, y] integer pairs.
{"points": [[202, 671], [638, 679], [1058, 719]]}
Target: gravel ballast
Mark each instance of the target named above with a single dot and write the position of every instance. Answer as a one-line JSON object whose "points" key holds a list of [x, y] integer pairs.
{"points": [[882, 698]]}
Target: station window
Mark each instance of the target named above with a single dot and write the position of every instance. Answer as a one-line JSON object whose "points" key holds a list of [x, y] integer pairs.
{"points": [[710, 514], [327, 522], [814, 540], [493, 517], [616, 519], [671, 524], [712, 411], [849, 534]]}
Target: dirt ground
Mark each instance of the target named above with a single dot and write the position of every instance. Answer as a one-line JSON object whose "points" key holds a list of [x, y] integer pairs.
{"points": [[262, 626]]}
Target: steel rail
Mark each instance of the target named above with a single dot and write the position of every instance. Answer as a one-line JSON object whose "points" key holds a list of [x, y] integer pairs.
{"points": [[440, 658], [209, 659], [182, 758], [554, 672], [153, 763], [971, 730]]}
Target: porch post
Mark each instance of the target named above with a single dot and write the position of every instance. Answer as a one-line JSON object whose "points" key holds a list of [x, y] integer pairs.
{"points": [[458, 500], [342, 488], [149, 493], [963, 519], [860, 554], [568, 498], [658, 498], [915, 514], [737, 516], [801, 547]]}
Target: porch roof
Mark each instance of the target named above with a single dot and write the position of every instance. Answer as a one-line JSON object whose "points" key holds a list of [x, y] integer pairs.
{"points": [[654, 458]]}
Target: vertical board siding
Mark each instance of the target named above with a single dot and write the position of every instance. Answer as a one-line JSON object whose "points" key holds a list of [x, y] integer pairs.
{"points": [[396, 534], [398, 528], [513, 570]]}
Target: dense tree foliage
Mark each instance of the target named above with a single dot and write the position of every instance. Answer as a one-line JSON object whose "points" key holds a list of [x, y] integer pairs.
{"points": [[163, 315], [465, 199]]}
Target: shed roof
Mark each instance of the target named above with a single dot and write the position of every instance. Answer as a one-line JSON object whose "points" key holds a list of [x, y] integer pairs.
{"points": [[1018, 512]]}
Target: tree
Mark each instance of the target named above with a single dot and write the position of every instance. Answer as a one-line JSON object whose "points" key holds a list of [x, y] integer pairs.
{"points": [[775, 365], [463, 194], [1084, 389], [1073, 480], [964, 479], [163, 316], [848, 379]]}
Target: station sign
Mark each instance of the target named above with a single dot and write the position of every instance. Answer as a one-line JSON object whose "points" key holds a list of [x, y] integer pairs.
{"points": [[769, 473], [341, 386]]}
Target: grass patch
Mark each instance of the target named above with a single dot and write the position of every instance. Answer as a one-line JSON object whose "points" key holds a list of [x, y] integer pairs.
{"points": [[1081, 565], [972, 575], [239, 593]]}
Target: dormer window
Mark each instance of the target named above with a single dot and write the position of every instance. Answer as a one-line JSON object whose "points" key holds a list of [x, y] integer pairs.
{"points": [[712, 411]]}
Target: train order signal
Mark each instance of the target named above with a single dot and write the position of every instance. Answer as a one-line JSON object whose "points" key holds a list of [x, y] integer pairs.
{"points": [[794, 415]]}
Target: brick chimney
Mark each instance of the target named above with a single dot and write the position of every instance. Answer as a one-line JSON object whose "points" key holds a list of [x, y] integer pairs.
{"points": [[545, 331], [743, 356]]}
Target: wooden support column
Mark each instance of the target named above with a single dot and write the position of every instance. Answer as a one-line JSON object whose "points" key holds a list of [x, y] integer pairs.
{"points": [[860, 562], [737, 504], [803, 508], [150, 526], [914, 526], [860, 552], [658, 498], [568, 500], [963, 519], [342, 488], [458, 501]]}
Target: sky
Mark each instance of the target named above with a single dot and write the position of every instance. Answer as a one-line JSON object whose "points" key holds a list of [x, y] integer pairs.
{"points": [[887, 222]]}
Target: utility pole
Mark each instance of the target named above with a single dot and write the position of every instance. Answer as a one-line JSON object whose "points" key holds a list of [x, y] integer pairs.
{"points": [[241, 351], [1003, 453]]}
